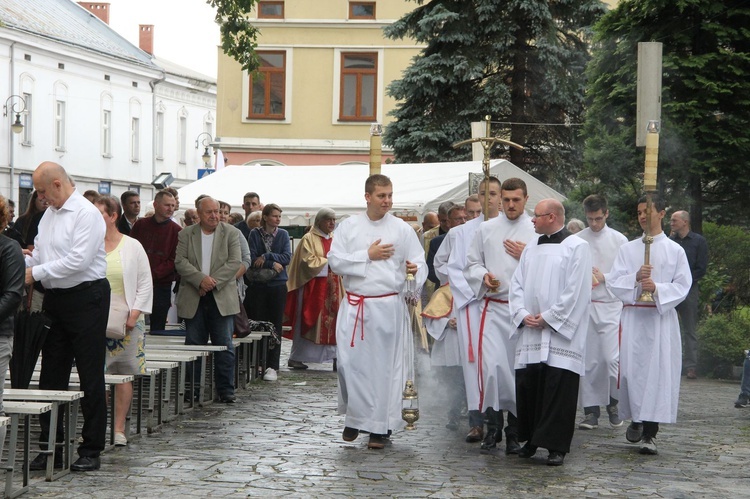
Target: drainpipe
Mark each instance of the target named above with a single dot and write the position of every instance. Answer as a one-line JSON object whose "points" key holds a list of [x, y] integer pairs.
{"points": [[11, 143], [153, 84]]}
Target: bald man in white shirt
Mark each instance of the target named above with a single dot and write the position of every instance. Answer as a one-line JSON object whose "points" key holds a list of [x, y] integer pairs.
{"points": [[69, 260]]}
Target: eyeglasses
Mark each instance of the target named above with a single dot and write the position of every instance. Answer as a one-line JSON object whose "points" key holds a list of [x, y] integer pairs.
{"points": [[542, 215]]}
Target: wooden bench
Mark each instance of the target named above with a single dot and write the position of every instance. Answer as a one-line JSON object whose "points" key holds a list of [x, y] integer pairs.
{"points": [[17, 411], [69, 402]]}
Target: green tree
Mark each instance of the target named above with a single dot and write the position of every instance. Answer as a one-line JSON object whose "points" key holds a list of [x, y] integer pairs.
{"points": [[705, 144], [520, 61], [238, 36]]}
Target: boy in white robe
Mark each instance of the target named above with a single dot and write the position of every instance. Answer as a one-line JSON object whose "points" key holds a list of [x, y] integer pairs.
{"points": [[493, 256], [373, 252], [650, 349], [450, 261], [599, 385], [550, 294]]}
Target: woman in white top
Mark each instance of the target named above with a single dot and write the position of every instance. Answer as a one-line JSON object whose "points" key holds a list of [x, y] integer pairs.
{"points": [[129, 276]]}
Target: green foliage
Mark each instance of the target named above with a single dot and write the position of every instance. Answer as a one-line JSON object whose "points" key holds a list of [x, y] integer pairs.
{"points": [[704, 144], [238, 36], [722, 339], [520, 61], [728, 261]]}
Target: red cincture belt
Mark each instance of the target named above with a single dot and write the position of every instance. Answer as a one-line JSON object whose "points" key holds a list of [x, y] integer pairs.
{"points": [[359, 302]]}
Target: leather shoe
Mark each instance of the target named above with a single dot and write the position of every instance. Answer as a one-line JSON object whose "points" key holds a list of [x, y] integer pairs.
{"points": [[350, 434], [691, 374], [86, 463], [229, 398], [295, 364], [490, 441], [527, 451], [452, 424], [376, 441], [475, 434], [40, 462], [555, 458], [511, 445]]}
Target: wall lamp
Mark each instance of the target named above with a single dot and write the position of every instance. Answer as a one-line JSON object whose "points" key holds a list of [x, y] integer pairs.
{"points": [[207, 139], [16, 107]]}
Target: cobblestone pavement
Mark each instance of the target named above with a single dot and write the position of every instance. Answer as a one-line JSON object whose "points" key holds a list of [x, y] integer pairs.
{"points": [[283, 438]]}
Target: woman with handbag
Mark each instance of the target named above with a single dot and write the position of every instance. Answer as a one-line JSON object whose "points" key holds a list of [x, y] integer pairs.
{"points": [[265, 298], [129, 275]]}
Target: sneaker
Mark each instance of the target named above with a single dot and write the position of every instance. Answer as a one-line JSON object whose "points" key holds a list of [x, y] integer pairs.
{"points": [[120, 440], [589, 422], [634, 433], [614, 417], [648, 446], [742, 401], [270, 375]]}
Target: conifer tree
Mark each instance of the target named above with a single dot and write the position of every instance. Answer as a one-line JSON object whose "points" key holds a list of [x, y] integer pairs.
{"points": [[520, 61], [705, 138]]}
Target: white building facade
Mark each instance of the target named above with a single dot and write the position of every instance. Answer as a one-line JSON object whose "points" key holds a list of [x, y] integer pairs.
{"points": [[94, 103]]}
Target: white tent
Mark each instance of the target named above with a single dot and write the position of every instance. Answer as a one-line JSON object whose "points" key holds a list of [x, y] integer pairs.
{"points": [[301, 190]]}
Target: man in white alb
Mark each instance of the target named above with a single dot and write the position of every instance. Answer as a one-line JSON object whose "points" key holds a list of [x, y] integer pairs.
{"points": [[493, 256], [599, 385], [373, 252], [651, 348], [450, 261], [550, 294]]}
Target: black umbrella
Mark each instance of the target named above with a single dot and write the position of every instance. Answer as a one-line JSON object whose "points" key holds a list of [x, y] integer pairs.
{"points": [[31, 331]]}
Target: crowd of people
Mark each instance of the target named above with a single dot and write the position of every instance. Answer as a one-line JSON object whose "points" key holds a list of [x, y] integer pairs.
{"points": [[529, 318]]}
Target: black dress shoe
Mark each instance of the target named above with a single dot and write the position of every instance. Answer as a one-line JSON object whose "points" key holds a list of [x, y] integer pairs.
{"points": [[295, 364], [490, 441], [555, 458], [40, 462], [527, 451], [511, 445], [86, 463], [228, 398], [350, 434], [452, 425]]}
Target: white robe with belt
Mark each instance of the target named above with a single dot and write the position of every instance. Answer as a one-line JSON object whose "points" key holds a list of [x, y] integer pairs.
{"points": [[554, 280], [496, 349], [602, 338], [449, 263], [370, 332], [650, 349]]}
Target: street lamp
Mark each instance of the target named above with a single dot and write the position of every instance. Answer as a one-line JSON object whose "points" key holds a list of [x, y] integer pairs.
{"points": [[16, 126], [206, 157]]}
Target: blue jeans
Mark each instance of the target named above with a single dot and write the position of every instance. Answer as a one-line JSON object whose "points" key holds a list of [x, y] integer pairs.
{"points": [[209, 323], [745, 386]]}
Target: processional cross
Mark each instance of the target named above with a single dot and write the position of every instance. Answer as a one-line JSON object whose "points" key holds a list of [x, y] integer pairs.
{"points": [[487, 142]]}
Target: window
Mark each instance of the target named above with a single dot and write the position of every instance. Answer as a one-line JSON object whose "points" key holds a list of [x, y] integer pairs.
{"points": [[106, 133], [267, 87], [60, 125], [361, 10], [26, 116], [183, 139], [135, 139], [160, 135], [270, 10], [359, 74]]}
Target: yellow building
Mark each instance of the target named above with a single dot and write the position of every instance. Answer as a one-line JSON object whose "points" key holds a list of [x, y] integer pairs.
{"points": [[325, 66]]}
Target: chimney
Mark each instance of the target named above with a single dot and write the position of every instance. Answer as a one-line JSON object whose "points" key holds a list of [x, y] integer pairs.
{"points": [[99, 9], [146, 38]]}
